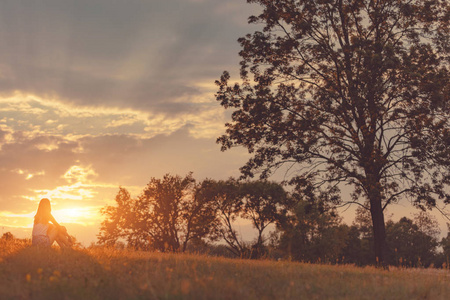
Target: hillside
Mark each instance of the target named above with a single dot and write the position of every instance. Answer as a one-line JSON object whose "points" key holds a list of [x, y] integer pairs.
{"points": [[30, 273]]}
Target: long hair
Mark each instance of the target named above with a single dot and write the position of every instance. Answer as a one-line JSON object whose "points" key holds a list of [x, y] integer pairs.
{"points": [[43, 213]]}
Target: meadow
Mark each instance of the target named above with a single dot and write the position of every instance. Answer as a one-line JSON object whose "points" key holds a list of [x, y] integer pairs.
{"points": [[100, 273]]}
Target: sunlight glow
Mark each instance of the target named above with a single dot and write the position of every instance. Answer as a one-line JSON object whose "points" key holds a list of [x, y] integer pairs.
{"points": [[77, 191], [85, 216], [47, 147], [80, 215], [80, 174], [10, 219], [27, 173]]}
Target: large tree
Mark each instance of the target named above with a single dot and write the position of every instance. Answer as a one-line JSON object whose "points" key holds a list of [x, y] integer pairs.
{"points": [[349, 92]]}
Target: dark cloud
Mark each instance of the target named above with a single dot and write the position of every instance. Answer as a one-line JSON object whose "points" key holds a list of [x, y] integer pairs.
{"points": [[123, 53]]}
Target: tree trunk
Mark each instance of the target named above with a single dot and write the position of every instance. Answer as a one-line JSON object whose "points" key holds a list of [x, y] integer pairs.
{"points": [[379, 229]]}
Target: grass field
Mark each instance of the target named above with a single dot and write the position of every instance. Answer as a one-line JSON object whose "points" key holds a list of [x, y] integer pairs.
{"points": [[31, 273]]}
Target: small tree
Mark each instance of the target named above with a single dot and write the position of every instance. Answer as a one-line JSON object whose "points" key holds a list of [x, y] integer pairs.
{"points": [[264, 203], [261, 202], [229, 206]]}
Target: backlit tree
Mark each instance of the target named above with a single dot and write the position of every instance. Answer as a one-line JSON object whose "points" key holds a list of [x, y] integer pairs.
{"points": [[169, 214], [349, 92]]}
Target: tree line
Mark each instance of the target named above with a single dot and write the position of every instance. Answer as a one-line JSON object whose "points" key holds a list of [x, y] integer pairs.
{"points": [[179, 214]]}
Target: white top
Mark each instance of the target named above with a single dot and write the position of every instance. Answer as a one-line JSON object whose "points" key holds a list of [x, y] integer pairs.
{"points": [[40, 229]]}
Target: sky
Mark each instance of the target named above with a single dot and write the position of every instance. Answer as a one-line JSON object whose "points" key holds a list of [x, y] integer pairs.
{"points": [[101, 94]]}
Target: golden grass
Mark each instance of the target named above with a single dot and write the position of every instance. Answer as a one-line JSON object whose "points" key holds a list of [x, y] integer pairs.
{"points": [[31, 273]]}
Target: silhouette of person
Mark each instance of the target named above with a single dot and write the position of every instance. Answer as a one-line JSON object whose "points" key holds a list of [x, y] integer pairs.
{"points": [[44, 233]]}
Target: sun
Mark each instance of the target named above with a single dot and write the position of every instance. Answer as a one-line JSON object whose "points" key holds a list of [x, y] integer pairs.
{"points": [[78, 215]]}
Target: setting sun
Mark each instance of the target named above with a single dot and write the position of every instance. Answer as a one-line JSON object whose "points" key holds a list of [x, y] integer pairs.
{"points": [[77, 215]]}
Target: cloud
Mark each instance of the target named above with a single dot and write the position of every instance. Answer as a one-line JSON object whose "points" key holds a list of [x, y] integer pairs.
{"points": [[143, 55], [50, 149], [31, 116], [128, 160]]}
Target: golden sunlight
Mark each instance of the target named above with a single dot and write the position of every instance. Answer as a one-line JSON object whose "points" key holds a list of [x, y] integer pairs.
{"points": [[78, 215]]}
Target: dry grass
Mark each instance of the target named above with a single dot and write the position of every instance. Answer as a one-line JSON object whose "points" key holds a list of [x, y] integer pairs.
{"points": [[30, 273]]}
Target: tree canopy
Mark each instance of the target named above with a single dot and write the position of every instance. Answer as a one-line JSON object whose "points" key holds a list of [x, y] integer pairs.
{"points": [[262, 202], [168, 214], [349, 92], [174, 211]]}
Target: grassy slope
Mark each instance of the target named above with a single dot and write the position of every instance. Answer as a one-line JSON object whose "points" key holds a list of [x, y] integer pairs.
{"points": [[30, 273]]}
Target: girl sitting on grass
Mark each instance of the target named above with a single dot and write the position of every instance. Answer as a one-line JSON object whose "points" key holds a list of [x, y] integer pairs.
{"points": [[44, 233]]}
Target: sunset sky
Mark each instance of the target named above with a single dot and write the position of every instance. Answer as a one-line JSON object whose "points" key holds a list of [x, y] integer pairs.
{"points": [[97, 94]]}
